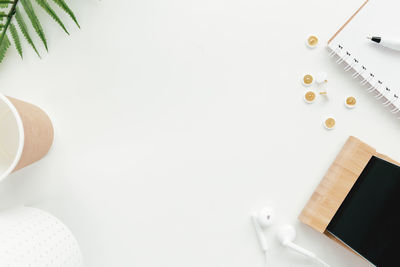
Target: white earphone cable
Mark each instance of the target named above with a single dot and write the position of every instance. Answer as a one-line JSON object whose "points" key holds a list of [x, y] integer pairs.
{"points": [[266, 258]]}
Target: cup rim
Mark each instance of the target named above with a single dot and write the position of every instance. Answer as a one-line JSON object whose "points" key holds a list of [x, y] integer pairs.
{"points": [[21, 137]]}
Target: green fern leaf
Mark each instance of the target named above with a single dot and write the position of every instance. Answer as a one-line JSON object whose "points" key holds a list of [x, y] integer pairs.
{"points": [[5, 44], [24, 29], [4, 3], [45, 5], [34, 20], [65, 7], [9, 9], [3, 15], [17, 42]]}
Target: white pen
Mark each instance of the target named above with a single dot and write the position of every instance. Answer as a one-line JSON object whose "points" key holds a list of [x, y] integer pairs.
{"points": [[389, 43]]}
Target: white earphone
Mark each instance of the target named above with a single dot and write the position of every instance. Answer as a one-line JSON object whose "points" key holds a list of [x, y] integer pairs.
{"points": [[261, 220], [286, 235]]}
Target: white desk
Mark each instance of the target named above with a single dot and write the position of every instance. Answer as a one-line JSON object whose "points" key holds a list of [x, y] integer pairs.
{"points": [[175, 119]]}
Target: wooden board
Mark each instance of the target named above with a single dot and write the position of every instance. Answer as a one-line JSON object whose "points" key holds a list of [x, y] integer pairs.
{"points": [[336, 184]]}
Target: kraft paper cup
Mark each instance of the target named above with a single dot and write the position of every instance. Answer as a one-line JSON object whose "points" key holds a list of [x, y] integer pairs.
{"points": [[26, 134], [33, 237]]}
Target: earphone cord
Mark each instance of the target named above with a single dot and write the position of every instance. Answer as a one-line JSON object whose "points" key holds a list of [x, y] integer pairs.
{"points": [[266, 259], [316, 259]]}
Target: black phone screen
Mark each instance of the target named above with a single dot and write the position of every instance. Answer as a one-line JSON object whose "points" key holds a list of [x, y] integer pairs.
{"points": [[368, 221]]}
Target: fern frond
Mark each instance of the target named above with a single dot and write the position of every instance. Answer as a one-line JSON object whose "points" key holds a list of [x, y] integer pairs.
{"points": [[34, 20], [24, 29], [9, 9], [3, 15], [4, 41], [45, 5], [17, 41], [65, 7], [5, 44], [4, 4]]}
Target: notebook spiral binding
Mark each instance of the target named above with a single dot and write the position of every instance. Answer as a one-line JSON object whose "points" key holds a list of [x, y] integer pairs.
{"points": [[383, 93]]}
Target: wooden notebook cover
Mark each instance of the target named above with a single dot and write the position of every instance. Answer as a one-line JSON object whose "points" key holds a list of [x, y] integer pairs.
{"points": [[337, 182]]}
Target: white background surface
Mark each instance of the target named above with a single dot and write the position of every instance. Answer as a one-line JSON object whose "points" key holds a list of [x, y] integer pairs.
{"points": [[175, 119]]}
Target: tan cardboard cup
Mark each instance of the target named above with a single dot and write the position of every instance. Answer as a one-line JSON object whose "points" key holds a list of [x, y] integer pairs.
{"points": [[26, 134]]}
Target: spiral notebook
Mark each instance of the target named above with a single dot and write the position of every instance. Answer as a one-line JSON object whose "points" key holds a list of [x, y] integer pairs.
{"points": [[377, 68]]}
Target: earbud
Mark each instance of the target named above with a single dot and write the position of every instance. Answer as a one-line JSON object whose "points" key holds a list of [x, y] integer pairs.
{"points": [[259, 232], [262, 219], [265, 217], [286, 236]]}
